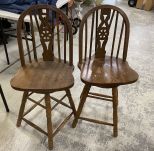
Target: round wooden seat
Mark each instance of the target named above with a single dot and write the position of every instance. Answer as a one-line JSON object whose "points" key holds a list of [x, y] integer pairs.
{"points": [[109, 73], [52, 76]]}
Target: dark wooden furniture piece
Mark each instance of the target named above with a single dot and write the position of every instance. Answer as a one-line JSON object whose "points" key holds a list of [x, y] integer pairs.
{"points": [[103, 44], [51, 69], [4, 41], [4, 100]]}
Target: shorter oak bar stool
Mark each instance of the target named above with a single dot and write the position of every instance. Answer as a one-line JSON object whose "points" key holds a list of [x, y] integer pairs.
{"points": [[47, 68], [4, 100], [103, 45]]}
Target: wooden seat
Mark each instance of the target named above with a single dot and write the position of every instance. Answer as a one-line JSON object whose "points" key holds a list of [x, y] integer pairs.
{"points": [[48, 65], [52, 78], [103, 45], [111, 73], [4, 100]]}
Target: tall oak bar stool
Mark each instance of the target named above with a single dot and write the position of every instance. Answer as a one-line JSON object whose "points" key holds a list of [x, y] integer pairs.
{"points": [[103, 45], [47, 68], [4, 100]]}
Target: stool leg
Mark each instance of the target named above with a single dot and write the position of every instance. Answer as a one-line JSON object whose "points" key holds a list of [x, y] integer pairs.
{"points": [[49, 121], [82, 93], [115, 111], [4, 100], [68, 93], [22, 107], [81, 104]]}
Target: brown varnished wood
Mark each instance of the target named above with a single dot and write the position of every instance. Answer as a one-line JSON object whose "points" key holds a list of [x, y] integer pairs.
{"points": [[39, 14], [119, 44], [32, 107], [62, 124], [99, 69], [95, 121], [114, 37], [27, 44], [34, 126], [91, 37], [43, 76], [109, 16], [58, 37], [49, 121], [60, 102], [110, 73], [47, 71], [98, 97], [33, 37], [71, 101], [86, 35], [84, 95], [65, 38], [96, 29], [36, 102], [46, 32], [102, 33], [22, 107], [115, 111]]}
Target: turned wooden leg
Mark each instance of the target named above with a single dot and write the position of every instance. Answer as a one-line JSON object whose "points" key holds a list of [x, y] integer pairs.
{"points": [[82, 93], [115, 111], [4, 100], [22, 107], [81, 104], [49, 121], [68, 93]]}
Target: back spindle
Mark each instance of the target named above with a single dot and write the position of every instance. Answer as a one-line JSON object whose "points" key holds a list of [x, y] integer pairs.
{"points": [[33, 37], [114, 36], [25, 34], [92, 32], [121, 34]]}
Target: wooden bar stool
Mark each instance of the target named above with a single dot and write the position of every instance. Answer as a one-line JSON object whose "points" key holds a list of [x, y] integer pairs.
{"points": [[47, 68], [4, 100], [103, 45]]}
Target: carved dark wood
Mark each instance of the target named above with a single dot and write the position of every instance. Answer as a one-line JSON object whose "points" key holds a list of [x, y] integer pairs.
{"points": [[46, 31], [102, 33]]}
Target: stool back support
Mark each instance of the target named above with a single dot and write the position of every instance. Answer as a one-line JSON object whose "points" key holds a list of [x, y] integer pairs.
{"points": [[104, 30], [46, 22]]}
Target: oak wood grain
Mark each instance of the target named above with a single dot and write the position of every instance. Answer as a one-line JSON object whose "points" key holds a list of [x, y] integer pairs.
{"points": [[109, 73], [43, 76]]}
